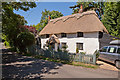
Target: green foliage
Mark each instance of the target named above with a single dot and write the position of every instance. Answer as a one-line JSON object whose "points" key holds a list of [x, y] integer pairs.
{"points": [[77, 51], [44, 18], [97, 54], [84, 65], [11, 22], [108, 13], [25, 39], [6, 44], [59, 50], [96, 6], [12, 49], [83, 53], [50, 47], [64, 48], [111, 18]]}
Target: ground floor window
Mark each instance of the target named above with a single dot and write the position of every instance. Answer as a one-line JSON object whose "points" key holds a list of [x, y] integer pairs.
{"points": [[79, 46], [63, 44]]}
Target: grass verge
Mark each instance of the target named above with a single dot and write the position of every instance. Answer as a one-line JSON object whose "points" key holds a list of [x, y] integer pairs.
{"points": [[85, 65]]}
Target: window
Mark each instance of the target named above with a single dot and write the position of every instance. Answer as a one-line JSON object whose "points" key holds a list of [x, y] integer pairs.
{"points": [[79, 46], [112, 49], [63, 44], [47, 35], [63, 35], [104, 49], [79, 34], [100, 34], [118, 51]]}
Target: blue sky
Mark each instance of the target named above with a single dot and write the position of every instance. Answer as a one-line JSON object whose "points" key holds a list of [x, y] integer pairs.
{"points": [[33, 16]]}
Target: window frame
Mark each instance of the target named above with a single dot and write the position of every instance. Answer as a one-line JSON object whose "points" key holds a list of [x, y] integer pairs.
{"points": [[79, 46], [80, 34], [63, 35], [63, 43], [115, 48]]}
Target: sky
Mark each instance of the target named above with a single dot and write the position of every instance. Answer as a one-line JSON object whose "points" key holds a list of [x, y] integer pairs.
{"points": [[33, 16]]}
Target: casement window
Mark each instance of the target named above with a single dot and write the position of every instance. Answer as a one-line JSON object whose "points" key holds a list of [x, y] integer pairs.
{"points": [[79, 46], [63, 35], [47, 35], [63, 44], [79, 34]]}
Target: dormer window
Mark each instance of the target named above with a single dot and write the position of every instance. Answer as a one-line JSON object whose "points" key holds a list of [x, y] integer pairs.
{"points": [[63, 35], [79, 34]]}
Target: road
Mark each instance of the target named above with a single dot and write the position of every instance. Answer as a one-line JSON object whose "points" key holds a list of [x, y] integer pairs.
{"points": [[17, 66]]}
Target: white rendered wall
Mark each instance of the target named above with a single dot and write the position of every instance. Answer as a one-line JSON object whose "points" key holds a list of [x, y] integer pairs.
{"points": [[90, 42]]}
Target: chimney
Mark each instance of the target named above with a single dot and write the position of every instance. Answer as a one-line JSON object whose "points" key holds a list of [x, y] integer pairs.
{"points": [[48, 18], [81, 9]]}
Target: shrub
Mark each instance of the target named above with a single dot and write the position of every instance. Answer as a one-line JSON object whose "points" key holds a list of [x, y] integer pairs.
{"points": [[83, 53], [77, 51], [25, 39], [97, 54], [64, 48]]}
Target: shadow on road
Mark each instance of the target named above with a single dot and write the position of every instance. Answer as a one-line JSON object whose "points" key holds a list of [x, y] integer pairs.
{"points": [[106, 62], [17, 66]]}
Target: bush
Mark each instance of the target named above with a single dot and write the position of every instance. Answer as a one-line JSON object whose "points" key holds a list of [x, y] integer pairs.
{"points": [[6, 43], [83, 53], [77, 51], [25, 39], [64, 48], [97, 54]]}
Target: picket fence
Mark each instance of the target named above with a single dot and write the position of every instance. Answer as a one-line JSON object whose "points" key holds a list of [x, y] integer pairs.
{"points": [[78, 57]]}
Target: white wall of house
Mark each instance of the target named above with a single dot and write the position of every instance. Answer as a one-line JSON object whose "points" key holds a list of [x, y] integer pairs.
{"points": [[90, 42]]}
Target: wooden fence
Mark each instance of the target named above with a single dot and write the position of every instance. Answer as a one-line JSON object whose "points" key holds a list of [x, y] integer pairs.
{"points": [[78, 57]]}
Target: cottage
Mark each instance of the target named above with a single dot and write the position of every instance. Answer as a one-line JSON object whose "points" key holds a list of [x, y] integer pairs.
{"points": [[81, 31]]}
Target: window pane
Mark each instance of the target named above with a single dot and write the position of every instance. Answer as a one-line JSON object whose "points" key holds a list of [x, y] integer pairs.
{"points": [[79, 46], [112, 50], [63, 34], [118, 50], [63, 44], [79, 34], [104, 49]]}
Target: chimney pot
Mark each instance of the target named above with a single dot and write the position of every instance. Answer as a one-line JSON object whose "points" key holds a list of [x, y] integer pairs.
{"points": [[48, 18], [81, 9]]}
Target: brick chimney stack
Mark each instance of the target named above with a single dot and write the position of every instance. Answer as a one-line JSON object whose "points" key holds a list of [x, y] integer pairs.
{"points": [[81, 9]]}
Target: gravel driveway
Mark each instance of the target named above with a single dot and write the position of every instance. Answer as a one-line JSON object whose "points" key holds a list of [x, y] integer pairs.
{"points": [[17, 66]]}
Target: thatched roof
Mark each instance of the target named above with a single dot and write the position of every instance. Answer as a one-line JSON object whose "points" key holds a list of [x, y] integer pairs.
{"points": [[81, 22]]}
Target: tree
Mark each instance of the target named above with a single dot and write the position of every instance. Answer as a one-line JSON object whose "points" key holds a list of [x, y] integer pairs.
{"points": [[96, 6], [25, 39], [37, 27], [11, 22], [111, 18], [44, 18]]}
